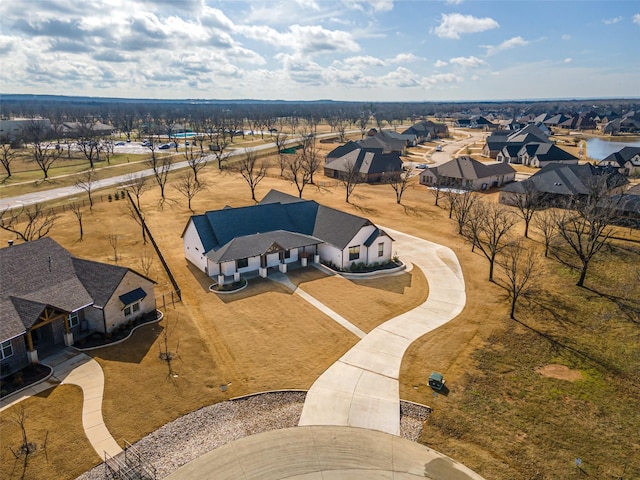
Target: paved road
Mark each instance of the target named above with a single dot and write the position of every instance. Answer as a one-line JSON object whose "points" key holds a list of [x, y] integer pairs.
{"points": [[323, 453], [361, 389]]}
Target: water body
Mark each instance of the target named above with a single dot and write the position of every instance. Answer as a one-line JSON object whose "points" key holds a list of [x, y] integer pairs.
{"points": [[599, 149]]}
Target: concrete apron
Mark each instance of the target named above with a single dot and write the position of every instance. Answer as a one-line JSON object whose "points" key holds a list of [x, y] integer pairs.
{"points": [[361, 389]]}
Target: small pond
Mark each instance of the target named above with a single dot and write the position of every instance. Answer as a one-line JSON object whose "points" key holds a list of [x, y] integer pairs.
{"points": [[598, 149]]}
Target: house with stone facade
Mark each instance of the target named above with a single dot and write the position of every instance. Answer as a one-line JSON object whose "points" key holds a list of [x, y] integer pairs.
{"points": [[48, 298]]}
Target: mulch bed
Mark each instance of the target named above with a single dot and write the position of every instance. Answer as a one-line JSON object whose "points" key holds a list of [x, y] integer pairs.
{"points": [[101, 340], [23, 378]]}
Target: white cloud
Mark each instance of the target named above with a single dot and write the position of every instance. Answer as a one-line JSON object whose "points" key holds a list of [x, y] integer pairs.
{"points": [[442, 78], [454, 24], [453, 2], [568, 60], [636, 18], [362, 61], [611, 21], [405, 58], [475, 78], [467, 62], [566, 36], [308, 4], [376, 5], [440, 64], [506, 45]]}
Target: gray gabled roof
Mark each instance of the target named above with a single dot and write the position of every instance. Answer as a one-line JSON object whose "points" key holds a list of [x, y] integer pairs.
{"points": [[470, 169], [547, 152], [365, 160], [562, 179], [38, 274], [260, 244], [622, 156]]}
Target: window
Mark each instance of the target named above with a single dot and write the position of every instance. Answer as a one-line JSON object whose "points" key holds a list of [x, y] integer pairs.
{"points": [[242, 263], [381, 249], [354, 253], [6, 349], [74, 321], [131, 309], [287, 254]]}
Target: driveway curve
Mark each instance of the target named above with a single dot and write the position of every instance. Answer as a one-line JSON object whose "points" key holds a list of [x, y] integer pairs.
{"points": [[361, 389]]}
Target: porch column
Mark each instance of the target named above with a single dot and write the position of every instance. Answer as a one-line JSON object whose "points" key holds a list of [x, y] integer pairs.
{"points": [[236, 276], [221, 279], [68, 335], [282, 266], [316, 256], [262, 271], [32, 354]]}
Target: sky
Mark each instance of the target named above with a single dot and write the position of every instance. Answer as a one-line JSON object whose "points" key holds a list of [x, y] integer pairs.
{"points": [[351, 50]]}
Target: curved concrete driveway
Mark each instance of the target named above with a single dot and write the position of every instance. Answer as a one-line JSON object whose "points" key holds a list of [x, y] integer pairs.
{"points": [[361, 389], [323, 453]]}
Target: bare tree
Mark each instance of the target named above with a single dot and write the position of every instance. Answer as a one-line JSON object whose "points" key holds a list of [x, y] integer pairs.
{"points": [[280, 141], [137, 183], [87, 183], [487, 228], [437, 188], [146, 261], [311, 156], [189, 186], [7, 155], [363, 121], [350, 178], [399, 181], [252, 170], [45, 153], [196, 160], [528, 202], [545, 222], [521, 266], [585, 224], [298, 173], [220, 149], [88, 143], [461, 205], [76, 208], [161, 165], [137, 216], [113, 241], [36, 222]]}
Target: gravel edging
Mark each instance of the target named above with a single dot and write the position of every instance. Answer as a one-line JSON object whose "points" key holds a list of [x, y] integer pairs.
{"points": [[203, 430]]}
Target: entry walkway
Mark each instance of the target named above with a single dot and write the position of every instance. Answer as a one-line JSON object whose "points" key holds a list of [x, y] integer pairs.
{"points": [[284, 280], [361, 389], [74, 368]]}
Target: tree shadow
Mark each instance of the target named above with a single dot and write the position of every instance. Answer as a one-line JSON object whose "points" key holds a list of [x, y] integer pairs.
{"points": [[134, 348], [559, 346], [628, 306]]}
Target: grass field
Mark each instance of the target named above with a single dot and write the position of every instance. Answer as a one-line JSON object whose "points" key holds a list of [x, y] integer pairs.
{"points": [[502, 418]]}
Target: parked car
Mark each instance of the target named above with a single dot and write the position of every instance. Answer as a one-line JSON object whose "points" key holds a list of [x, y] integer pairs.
{"points": [[439, 148], [164, 146], [146, 143], [421, 166], [119, 144]]}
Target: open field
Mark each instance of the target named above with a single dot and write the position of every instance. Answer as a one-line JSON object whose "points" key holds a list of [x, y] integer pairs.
{"points": [[502, 418]]}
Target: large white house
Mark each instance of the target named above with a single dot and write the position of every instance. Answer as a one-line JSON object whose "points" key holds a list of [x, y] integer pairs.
{"points": [[280, 230]]}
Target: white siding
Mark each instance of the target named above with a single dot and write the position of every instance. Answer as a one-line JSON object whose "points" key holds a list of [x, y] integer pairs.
{"points": [[193, 249], [358, 240]]}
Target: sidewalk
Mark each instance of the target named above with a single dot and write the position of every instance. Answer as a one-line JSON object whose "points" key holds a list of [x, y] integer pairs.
{"points": [[74, 368], [361, 389]]}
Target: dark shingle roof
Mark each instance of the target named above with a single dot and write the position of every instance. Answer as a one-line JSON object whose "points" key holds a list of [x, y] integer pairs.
{"points": [[471, 169], [365, 159], [41, 273], [559, 179], [33, 275], [622, 156], [282, 219]]}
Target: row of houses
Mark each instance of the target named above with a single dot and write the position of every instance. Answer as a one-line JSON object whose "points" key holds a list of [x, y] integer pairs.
{"points": [[24, 128]]}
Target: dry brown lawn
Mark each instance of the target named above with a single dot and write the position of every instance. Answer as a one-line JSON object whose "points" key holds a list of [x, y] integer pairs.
{"points": [[501, 417], [53, 422]]}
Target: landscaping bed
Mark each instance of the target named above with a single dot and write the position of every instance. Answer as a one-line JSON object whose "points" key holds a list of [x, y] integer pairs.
{"points": [[100, 339], [23, 378]]}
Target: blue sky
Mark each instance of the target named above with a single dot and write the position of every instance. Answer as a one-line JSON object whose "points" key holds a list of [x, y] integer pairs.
{"points": [[359, 50]]}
